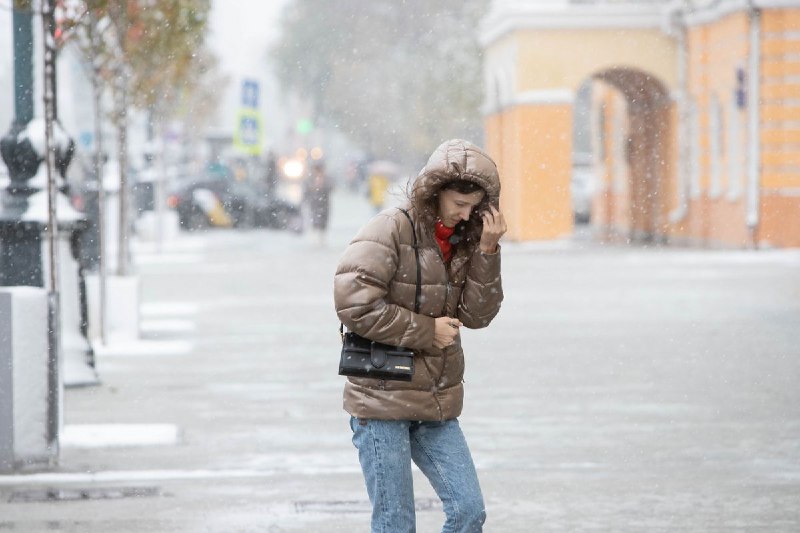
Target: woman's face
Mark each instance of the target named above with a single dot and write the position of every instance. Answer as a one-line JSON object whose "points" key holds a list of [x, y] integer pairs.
{"points": [[455, 206]]}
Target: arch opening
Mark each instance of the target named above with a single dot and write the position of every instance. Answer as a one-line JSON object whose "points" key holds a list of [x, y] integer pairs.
{"points": [[629, 124]]}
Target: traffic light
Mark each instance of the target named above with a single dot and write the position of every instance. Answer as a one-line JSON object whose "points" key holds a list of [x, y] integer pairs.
{"points": [[304, 126]]}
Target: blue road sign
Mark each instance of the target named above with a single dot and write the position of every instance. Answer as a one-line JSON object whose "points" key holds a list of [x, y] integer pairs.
{"points": [[248, 135], [250, 94]]}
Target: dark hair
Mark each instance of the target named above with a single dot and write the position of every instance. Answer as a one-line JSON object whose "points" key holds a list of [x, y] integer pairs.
{"points": [[462, 187]]}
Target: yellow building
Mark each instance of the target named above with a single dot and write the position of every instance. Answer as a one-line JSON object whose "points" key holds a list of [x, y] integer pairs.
{"points": [[694, 117]]}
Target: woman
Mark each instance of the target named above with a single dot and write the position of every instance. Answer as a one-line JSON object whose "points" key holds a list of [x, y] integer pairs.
{"points": [[453, 205], [317, 196]]}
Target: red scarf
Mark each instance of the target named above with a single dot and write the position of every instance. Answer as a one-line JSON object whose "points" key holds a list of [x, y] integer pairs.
{"points": [[443, 234]]}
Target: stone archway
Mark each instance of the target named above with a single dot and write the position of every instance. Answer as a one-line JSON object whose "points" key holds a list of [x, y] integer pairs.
{"points": [[543, 54], [646, 151]]}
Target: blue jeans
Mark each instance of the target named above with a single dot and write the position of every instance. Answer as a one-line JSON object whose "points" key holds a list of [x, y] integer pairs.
{"points": [[386, 449]]}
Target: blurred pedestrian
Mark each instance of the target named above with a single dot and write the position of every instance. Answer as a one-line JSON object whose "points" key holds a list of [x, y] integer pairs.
{"points": [[270, 175], [453, 207], [378, 185], [317, 197]]}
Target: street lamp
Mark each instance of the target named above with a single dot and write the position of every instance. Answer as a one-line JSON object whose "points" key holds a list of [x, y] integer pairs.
{"points": [[27, 217]]}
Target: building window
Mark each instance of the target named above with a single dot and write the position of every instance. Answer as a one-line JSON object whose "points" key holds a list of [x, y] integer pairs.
{"points": [[716, 147], [735, 152], [694, 150]]}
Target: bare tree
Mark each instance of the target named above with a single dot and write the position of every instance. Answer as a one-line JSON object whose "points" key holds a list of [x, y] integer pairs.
{"points": [[397, 77]]}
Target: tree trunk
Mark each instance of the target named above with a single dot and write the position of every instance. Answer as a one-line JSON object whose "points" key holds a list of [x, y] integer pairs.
{"points": [[97, 95], [122, 147]]}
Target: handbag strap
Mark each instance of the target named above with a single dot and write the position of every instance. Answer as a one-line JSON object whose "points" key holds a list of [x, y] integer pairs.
{"points": [[418, 294]]}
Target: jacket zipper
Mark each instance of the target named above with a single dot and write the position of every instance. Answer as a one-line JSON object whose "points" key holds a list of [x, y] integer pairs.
{"points": [[444, 311], [447, 273]]}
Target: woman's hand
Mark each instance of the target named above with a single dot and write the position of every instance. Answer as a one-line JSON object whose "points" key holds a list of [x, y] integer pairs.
{"points": [[445, 331], [494, 226]]}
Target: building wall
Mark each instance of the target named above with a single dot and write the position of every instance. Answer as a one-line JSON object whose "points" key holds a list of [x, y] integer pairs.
{"points": [[780, 128], [528, 143], [718, 214], [718, 70], [565, 58]]}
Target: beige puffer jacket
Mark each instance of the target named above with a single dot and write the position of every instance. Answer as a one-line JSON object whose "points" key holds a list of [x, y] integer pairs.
{"points": [[374, 291]]}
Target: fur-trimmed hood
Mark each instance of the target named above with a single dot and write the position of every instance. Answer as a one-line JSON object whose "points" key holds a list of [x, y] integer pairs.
{"points": [[454, 160]]}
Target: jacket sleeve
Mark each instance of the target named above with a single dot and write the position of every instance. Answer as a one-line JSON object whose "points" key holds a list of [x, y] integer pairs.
{"points": [[483, 291], [361, 285]]}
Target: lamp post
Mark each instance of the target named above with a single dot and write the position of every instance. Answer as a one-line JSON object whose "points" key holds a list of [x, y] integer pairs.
{"points": [[21, 252], [38, 223]]}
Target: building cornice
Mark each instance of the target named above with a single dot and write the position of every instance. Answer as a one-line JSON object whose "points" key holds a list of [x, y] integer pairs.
{"points": [[508, 16], [722, 8], [714, 11], [535, 97]]}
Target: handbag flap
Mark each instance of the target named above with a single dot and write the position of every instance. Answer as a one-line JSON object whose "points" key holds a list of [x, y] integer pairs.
{"points": [[378, 357]]}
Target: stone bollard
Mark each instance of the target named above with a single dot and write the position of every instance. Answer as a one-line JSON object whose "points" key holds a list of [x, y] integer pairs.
{"points": [[122, 316], [29, 407]]}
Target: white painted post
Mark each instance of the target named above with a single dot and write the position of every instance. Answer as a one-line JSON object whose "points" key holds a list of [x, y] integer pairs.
{"points": [[76, 349], [122, 318], [25, 412]]}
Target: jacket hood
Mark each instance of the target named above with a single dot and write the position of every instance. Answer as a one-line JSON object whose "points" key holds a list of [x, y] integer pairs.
{"points": [[458, 159]]}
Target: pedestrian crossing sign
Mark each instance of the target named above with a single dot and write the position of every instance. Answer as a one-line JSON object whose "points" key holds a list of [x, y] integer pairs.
{"points": [[248, 135]]}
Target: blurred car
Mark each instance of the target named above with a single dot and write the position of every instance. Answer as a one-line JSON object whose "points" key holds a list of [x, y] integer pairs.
{"points": [[218, 199]]}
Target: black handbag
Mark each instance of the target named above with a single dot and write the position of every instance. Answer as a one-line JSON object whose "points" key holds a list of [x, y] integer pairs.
{"points": [[362, 357], [369, 359]]}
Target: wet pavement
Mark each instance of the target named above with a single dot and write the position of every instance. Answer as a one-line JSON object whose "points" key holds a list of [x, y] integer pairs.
{"points": [[620, 389]]}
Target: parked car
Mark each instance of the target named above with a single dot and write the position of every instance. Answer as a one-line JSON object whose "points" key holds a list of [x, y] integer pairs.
{"points": [[218, 199]]}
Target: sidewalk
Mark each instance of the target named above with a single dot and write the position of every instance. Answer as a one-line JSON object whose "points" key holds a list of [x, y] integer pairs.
{"points": [[619, 390]]}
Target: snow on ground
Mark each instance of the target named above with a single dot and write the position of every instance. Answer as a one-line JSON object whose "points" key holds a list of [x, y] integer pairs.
{"points": [[619, 389], [105, 435]]}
